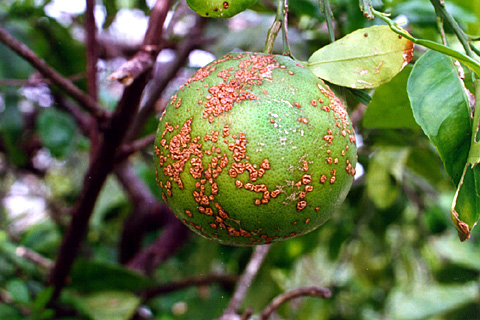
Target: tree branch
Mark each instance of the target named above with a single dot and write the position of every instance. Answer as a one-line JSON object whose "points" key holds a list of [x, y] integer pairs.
{"points": [[48, 72], [245, 281], [292, 294], [134, 146], [145, 57], [158, 84], [223, 279], [175, 234], [91, 49], [100, 166], [147, 215]]}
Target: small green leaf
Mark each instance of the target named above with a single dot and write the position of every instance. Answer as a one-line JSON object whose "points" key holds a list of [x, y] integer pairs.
{"points": [[56, 130], [429, 301], [440, 106], [387, 113], [365, 58], [19, 291], [466, 203], [385, 167], [90, 276], [111, 305], [219, 8]]}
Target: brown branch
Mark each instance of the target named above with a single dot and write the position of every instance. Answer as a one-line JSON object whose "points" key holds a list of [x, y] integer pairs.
{"points": [[100, 167], [35, 80], [147, 215], [145, 58], [158, 84], [34, 257], [292, 294], [48, 72], [245, 281], [172, 239], [83, 120], [134, 146], [92, 57], [223, 279], [91, 49]]}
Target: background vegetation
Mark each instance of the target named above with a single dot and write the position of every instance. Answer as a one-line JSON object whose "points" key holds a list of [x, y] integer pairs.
{"points": [[83, 231]]}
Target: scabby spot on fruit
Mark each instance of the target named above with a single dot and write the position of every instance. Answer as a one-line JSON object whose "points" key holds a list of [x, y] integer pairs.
{"points": [[252, 144]]}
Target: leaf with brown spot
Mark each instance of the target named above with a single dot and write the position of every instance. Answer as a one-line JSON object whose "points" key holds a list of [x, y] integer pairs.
{"points": [[365, 58]]}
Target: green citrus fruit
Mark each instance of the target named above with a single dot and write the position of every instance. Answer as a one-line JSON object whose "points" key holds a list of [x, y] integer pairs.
{"points": [[254, 149], [219, 8]]}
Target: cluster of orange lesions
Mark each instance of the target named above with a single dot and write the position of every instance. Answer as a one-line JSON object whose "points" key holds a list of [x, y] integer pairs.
{"points": [[180, 149], [234, 88], [222, 98], [300, 194], [343, 124], [241, 164]]}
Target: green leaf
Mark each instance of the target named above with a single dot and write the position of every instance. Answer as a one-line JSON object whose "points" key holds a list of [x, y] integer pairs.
{"points": [[8, 312], [95, 276], [365, 58], [428, 301], [440, 106], [11, 128], [56, 130], [385, 167], [466, 203], [447, 249], [387, 113], [19, 291], [111, 305]]}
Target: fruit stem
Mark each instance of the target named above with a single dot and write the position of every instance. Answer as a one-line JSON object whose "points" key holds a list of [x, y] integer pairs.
{"points": [[441, 11], [280, 22], [327, 11]]}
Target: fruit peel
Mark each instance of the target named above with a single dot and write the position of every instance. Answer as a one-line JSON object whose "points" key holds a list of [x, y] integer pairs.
{"points": [[254, 149]]}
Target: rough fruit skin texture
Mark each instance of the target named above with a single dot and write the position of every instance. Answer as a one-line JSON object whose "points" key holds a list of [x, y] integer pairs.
{"points": [[254, 149], [219, 8]]}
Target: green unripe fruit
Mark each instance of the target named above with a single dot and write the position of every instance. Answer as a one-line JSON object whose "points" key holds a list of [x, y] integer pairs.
{"points": [[254, 149], [219, 8]]}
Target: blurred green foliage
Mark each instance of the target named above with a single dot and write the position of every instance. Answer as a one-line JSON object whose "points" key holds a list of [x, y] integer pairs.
{"points": [[390, 252]]}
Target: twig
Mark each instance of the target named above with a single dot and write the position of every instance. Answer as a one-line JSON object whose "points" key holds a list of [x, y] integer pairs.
{"points": [[275, 28], [34, 257], [145, 57], [91, 49], [147, 214], [172, 239], [442, 12], [292, 294], [366, 7], [159, 84], [83, 120], [246, 279], [48, 72], [224, 279], [286, 44], [35, 80], [134, 146], [327, 11]]}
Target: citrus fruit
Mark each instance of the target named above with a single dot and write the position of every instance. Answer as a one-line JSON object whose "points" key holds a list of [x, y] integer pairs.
{"points": [[219, 8], [254, 149]]}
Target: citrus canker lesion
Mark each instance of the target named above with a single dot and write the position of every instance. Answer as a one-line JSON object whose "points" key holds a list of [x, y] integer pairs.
{"points": [[254, 149], [219, 8]]}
